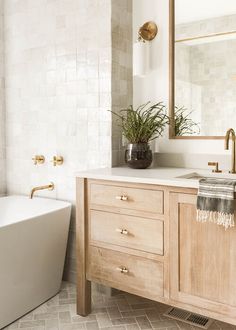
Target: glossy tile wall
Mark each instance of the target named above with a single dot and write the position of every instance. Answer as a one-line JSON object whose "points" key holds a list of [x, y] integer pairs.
{"points": [[58, 90], [122, 69], [2, 108]]}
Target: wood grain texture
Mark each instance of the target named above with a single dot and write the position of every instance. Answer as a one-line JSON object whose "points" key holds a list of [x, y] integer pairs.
{"points": [[202, 259], [166, 243], [142, 234], [144, 277], [130, 252], [83, 285], [196, 270], [149, 200]]}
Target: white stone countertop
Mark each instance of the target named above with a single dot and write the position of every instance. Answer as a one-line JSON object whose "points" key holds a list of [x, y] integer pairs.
{"points": [[166, 176]]}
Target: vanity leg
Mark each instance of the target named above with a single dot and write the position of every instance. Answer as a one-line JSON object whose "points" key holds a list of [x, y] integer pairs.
{"points": [[83, 285], [83, 297]]}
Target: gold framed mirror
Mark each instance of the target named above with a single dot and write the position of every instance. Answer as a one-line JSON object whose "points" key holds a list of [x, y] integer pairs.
{"points": [[202, 68]]}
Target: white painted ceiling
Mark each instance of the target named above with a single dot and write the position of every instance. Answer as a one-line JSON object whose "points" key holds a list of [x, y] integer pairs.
{"points": [[196, 10]]}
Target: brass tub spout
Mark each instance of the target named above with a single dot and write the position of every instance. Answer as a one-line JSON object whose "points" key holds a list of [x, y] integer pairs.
{"points": [[48, 187]]}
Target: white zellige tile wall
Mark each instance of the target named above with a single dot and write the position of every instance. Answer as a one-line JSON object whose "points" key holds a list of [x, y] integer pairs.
{"points": [[58, 71], [122, 70]]}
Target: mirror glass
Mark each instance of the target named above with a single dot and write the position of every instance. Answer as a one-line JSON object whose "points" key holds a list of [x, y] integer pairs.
{"points": [[205, 67]]}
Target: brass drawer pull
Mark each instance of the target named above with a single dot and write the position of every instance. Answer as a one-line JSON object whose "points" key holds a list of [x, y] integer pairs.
{"points": [[122, 198], [122, 231], [123, 270]]}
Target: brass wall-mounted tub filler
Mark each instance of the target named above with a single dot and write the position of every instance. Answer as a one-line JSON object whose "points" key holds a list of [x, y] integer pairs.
{"points": [[38, 159], [147, 31], [50, 186], [57, 160]]}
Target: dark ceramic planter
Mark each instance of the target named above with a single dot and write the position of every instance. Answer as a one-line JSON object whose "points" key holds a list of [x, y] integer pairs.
{"points": [[138, 155]]}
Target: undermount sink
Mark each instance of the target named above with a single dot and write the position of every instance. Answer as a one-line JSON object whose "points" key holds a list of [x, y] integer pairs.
{"points": [[199, 175], [192, 176]]}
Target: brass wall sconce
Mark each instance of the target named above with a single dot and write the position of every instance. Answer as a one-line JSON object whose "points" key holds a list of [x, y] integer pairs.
{"points": [[57, 160], [147, 31], [38, 159]]}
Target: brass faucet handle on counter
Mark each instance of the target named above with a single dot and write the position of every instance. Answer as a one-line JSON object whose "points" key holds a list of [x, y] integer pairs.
{"points": [[57, 160], [216, 169], [38, 159]]}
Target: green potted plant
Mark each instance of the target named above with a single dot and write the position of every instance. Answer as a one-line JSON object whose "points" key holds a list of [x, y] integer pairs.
{"points": [[139, 127], [184, 125]]}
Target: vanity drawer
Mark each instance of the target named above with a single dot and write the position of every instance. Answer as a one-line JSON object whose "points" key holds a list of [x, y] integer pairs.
{"points": [[127, 231], [126, 272], [146, 200]]}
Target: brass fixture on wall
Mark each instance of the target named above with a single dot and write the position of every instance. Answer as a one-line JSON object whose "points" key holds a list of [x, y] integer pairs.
{"points": [[50, 186], [147, 31], [38, 159], [57, 160]]}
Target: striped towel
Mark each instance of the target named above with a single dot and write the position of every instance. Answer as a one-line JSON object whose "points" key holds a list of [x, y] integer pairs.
{"points": [[215, 201]]}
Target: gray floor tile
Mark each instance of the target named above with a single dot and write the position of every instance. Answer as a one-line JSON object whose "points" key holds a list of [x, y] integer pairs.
{"points": [[138, 312], [31, 324], [124, 320], [163, 324], [142, 306], [132, 327], [113, 313], [52, 324], [119, 327], [152, 314], [103, 320], [92, 325], [143, 322], [122, 311]]}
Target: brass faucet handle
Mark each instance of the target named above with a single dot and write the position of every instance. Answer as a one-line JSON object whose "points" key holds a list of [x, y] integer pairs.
{"points": [[57, 160], [216, 169], [38, 159]]}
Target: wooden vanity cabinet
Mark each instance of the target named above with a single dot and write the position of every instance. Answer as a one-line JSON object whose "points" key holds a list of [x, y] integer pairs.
{"points": [[120, 239], [144, 239], [202, 262]]}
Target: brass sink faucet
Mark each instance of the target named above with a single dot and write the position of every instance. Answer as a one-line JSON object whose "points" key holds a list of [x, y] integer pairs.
{"points": [[48, 187], [231, 133]]}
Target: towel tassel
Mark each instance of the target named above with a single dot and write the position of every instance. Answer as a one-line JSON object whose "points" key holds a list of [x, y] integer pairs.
{"points": [[224, 219]]}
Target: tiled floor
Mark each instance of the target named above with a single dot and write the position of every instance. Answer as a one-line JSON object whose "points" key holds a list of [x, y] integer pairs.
{"points": [[120, 312]]}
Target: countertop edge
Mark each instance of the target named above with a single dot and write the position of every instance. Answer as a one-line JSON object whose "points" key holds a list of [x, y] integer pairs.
{"points": [[117, 176]]}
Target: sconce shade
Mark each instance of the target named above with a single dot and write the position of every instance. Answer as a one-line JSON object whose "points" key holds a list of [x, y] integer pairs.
{"points": [[140, 58]]}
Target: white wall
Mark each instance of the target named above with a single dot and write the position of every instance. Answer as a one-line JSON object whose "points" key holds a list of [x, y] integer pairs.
{"points": [[58, 91], [58, 81], [155, 86]]}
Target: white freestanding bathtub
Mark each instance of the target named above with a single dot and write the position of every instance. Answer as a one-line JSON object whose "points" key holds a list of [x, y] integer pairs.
{"points": [[33, 239]]}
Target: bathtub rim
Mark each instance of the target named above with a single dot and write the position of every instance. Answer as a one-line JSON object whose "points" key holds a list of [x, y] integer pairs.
{"points": [[65, 205]]}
